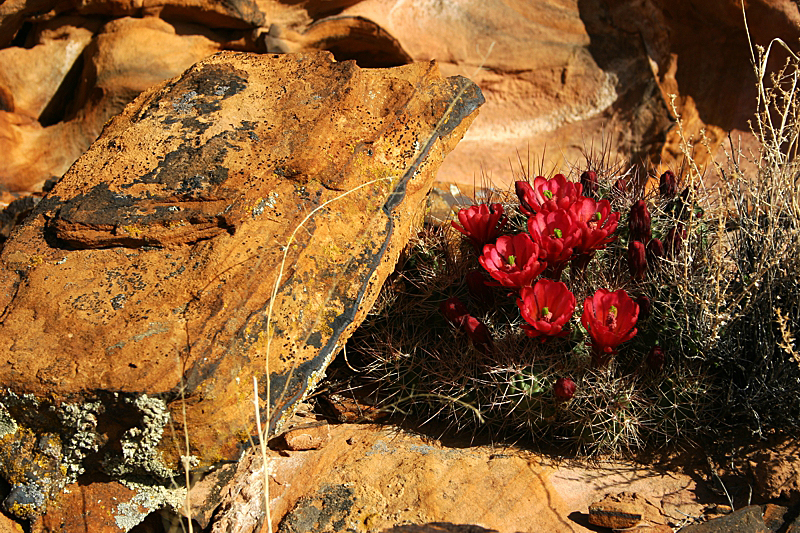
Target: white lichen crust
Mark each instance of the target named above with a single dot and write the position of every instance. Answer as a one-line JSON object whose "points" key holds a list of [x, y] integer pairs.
{"points": [[139, 444]]}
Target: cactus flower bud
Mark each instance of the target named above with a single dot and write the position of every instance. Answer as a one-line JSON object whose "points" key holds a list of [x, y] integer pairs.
{"points": [[478, 333], [655, 249], [621, 185], [564, 389], [589, 183], [645, 307], [655, 359], [637, 260], [639, 222], [668, 185], [673, 242], [478, 288], [454, 311]]}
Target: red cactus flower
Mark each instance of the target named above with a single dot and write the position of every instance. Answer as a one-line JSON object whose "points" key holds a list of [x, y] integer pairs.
{"points": [[564, 389], [610, 318], [639, 222], [524, 192], [478, 288], [546, 194], [481, 223], [589, 184], [655, 359], [478, 333], [513, 260], [668, 185], [673, 242], [556, 233], [637, 260], [455, 311], [547, 307], [597, 224]]}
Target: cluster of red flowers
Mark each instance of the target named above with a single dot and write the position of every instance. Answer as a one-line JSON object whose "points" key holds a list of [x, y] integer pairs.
{"points": [[566, 224]]}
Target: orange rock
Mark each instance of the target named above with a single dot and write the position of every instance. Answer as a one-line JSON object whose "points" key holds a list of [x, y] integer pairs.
{"points": [[232, 14], [307, 437], [378, 478], [112, 76], [36, 154], [151, 265], [776, 470], [561, 78], [30, 77], [616, 512], [99, 507]]}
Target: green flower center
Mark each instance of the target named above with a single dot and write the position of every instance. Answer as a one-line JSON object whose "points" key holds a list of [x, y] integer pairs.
{"points": [[548, 194], [557, 233], [546, 314], [511, 260]]}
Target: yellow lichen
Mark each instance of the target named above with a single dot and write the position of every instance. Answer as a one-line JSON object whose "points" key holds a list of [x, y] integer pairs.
{"points": [[132, 230]]}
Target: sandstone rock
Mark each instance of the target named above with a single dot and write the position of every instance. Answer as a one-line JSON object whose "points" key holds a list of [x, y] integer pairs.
{"points": [[746, 520], [10, 526], [619, 511], [712, 95], [560, 73], [356, 38], [650, 528], [31, 465], [147, 274], [307, 437], [534, 63], [112, 76], [13, 14], [344, 409], [232, 14], [99, 507], [385, 479], [776, 471], [794, 526], [440, 527], [564, 76], [14, 213], [30, 77], [35, 154], [774, 516]]}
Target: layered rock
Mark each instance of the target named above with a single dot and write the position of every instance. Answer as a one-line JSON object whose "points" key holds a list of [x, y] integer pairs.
{"points": [[376, 479], [562, 78], [233, 223], [126, 57]]}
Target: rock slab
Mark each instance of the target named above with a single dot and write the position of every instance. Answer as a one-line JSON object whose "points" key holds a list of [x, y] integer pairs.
{"points": [[252, 186], [746, 520]]}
